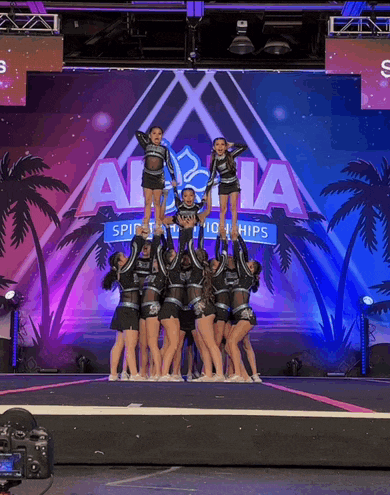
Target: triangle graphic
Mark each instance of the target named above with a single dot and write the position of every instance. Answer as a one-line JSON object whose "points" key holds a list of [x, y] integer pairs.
{"points": [[106, 187], [278, 188]]}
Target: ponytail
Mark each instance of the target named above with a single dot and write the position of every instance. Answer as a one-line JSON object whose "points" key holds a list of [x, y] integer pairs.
{"points": [[113, 275]]}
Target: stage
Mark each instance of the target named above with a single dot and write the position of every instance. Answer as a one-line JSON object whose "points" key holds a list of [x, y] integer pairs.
{"points": [[284, 421]]}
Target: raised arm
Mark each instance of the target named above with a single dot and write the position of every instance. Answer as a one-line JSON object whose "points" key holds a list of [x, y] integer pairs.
{"points": [[223, 257], [191, 250], [213, 171], [202, 216], [136, 247], [183, 239], [243, 247], [237, 149], [171, 170], [201, 237], [170, 244], [142, 138]]}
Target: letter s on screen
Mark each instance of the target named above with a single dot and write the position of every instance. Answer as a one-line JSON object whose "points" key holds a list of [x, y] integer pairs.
{"points": [[386, 66], [3, 67]]}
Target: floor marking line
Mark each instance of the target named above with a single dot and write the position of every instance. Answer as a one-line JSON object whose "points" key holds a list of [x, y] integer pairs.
{"points": [[52, 385], [151, 487], [96, 411], [321, 398], [143, 477]]}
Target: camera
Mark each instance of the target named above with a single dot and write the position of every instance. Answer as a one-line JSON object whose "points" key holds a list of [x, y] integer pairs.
{"points": [[26, 450]]}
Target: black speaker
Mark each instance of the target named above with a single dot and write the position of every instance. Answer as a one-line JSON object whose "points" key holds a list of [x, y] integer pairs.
{"points": [[5, 356]]}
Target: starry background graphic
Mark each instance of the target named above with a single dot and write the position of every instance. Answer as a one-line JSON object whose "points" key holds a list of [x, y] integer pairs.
{"points": [[315, 120]]}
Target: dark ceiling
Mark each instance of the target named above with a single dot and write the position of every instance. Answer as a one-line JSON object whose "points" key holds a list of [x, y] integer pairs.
{"points": [[159, 34]]}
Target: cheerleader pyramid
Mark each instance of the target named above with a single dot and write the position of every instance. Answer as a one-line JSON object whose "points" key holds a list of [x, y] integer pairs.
{"points": [[193, 299]]}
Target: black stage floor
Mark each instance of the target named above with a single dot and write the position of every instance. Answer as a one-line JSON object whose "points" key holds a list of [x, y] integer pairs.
{"points": [[283, 421]]}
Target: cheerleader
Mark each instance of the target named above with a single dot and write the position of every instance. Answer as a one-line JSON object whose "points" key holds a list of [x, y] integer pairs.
{"points": [[201, 298], [126, 317], [187, 208], [152, 291], [222, 161], [173, 302], [153, 180], [245, 319], [221, 290]]}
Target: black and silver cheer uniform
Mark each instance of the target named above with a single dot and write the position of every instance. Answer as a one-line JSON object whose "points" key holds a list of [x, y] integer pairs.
{"points": [[174, 293], [195, 285], [186, 211], [154, 283], [186, 314], [229, 182], [155, 156], [221, 291], [241, 292], [126, 315]]}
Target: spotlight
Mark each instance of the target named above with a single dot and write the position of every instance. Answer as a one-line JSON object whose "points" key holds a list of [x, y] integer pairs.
{"points": [[14, 299], [277, 47], [367, 300], [241, 45]]}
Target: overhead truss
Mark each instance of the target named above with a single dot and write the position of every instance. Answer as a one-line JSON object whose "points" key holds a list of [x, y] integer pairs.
{"points": [[12, 23], [359, 26]]}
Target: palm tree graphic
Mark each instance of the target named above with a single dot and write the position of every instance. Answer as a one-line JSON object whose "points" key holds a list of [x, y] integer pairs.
{"points": [[94, 228], [290, 229], [370, 189], [381, 306], [5, 282], [19, 184]]}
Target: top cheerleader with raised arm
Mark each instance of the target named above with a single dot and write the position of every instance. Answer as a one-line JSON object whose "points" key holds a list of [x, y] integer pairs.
{"points": [[222, 161], [153, 180]]}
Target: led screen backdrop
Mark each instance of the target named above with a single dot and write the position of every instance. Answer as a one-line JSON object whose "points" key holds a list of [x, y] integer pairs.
{"points": [[315, 174], [22, 54]]}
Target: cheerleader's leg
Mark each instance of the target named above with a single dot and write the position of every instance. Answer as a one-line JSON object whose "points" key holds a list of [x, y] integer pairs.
{"points": [[233, 208], [143, 348], [223, 201], [157, 207], [148, 197], [172, 329], [131, 339], [204, 325], [238, 332], [152, 332], [116, 353]]}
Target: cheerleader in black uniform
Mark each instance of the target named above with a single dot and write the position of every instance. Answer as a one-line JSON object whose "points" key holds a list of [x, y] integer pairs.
{"points": [[154, 285], [173, 302], [222, 161], [126, 316], [245, 319], [221, 290], [187, 208], [201, 297], [153, 181]]}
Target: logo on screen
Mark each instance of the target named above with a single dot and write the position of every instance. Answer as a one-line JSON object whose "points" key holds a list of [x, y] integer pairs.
{"points": [[3, 67]]}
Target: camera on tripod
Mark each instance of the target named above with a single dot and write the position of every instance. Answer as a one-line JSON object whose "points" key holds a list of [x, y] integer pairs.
{"points": [[26, 450]]}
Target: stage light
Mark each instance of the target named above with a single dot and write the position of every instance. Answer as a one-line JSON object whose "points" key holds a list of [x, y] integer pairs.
{"points": [[277, 47], [367, 300], [241, 45], [14, 299]]}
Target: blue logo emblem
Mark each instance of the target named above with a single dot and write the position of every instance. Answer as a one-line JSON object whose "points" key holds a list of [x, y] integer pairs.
{"points": [[189, 172]]}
